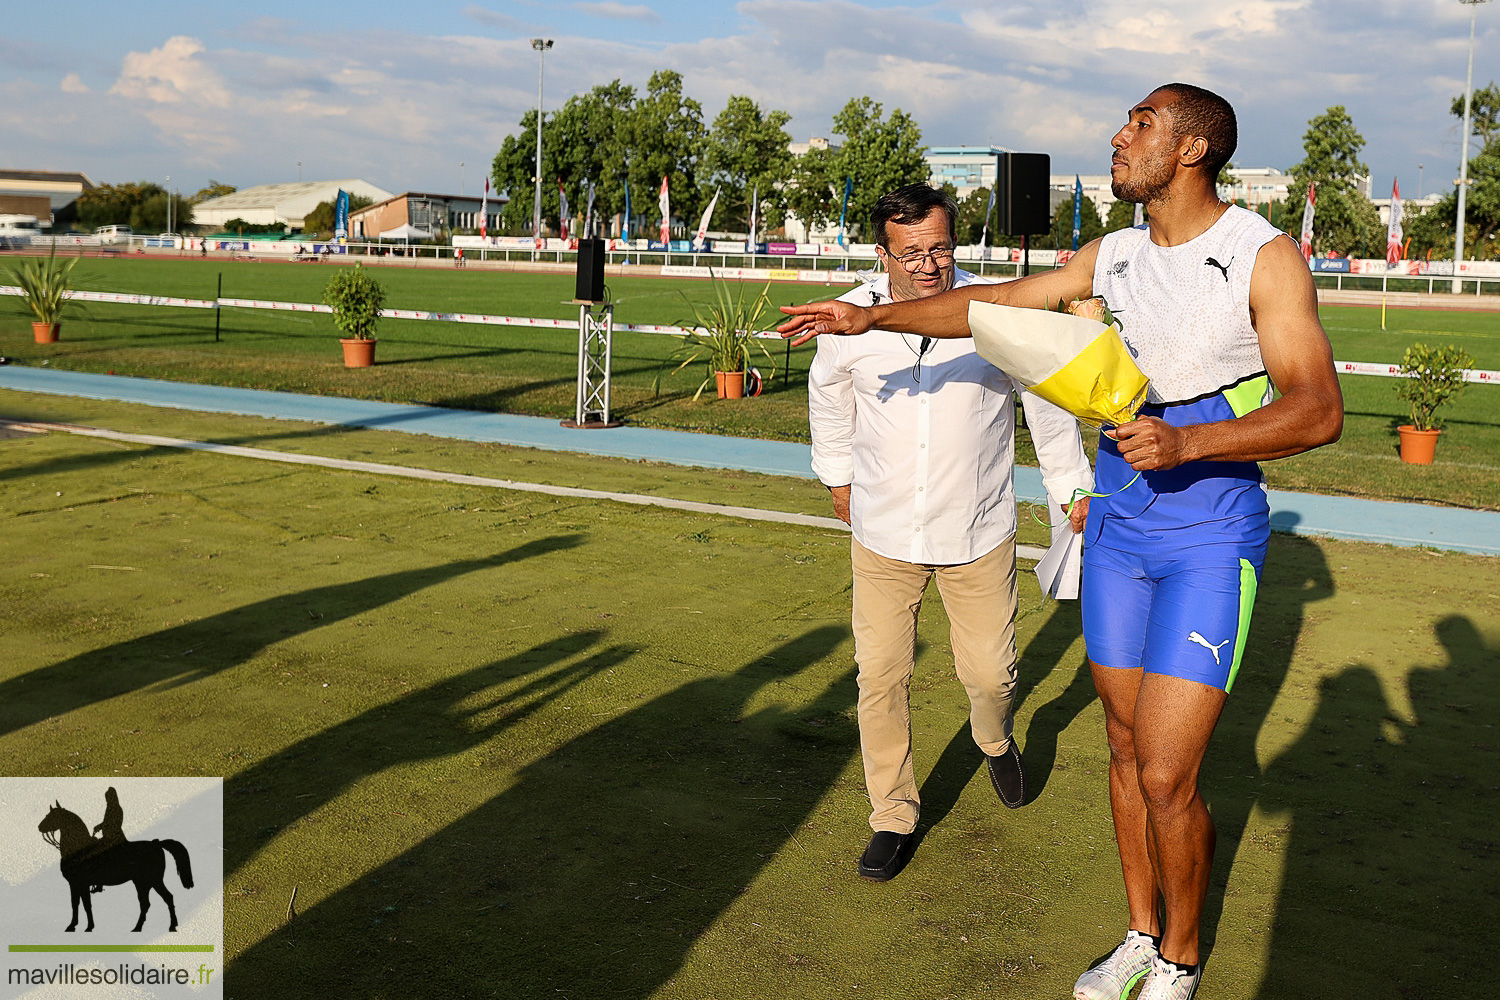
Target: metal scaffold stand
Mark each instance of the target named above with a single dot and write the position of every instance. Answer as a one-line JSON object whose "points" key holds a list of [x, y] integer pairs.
{"points": [[596, 323]]}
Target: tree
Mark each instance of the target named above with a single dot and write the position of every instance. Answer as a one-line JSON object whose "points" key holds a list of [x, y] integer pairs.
{"points": [[747, 151], [1121, 216], [322, 219], [878, 154], [1060, 237], [214, 190], [810, 195], [1484, 113], [664, 136], [584, 147], [1346, 221], [142, 206], [971, 216]]}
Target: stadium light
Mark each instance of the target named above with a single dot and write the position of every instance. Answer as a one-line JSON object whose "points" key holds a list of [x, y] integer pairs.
{"points": [[541, 45], [169, 203], [1463, 156], [460, 178]]}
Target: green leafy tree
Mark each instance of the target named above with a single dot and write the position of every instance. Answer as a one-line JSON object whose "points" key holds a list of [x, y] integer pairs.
{"points": [[583, 147], [1346, 222], [664, 136], [811, 195], [321, 220], [213, 190], [142, 206], [1060, 237], [1484, 113], [1121, 216], [746, 151], [971, 217], [879, 154]]}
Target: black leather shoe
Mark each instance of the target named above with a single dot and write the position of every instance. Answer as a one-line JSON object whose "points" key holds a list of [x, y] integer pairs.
{"points": [[1009, 777], [886, 856]]}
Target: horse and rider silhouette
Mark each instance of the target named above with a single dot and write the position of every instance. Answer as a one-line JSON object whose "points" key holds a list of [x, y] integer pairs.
{"points": [[91, 862]]}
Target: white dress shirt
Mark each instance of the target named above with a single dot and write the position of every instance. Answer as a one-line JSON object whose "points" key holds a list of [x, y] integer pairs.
{"points": [[929, 455]]}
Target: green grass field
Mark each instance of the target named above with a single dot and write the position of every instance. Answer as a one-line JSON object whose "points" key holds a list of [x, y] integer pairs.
{"points": [[507, 745], [534, 371]]}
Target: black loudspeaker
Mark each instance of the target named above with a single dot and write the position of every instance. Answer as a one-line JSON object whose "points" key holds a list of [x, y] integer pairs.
{"points": [[590, 271], [1023, 187]]}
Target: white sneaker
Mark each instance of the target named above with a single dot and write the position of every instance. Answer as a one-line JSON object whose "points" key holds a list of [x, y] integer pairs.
{"points": [[1168, 982], [1119, 971]]}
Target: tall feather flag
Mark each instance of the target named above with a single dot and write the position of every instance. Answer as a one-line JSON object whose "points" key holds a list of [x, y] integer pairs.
{"points": [[666, 212], [1077, 208], [700, 236], [989, 209], [625, 226], [484, 211], [844, 212], [562, 210], [1307, 221], [754, 214], [1393, 234], [588, 215], [341, 216], [1140, 215]]}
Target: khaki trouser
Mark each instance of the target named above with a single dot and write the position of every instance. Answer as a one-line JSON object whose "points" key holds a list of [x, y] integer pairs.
{"points": [[980, 598]]}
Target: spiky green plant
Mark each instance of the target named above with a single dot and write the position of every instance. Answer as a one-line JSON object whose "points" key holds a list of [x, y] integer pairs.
{"points": [[44, 283], [722, 333]]}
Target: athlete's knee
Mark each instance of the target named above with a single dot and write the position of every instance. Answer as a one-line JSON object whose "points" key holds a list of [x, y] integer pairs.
{"points": [[1166, 785]]}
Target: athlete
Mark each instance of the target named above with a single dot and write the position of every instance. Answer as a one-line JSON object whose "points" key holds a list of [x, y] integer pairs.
{"points": [[1220, 312]]}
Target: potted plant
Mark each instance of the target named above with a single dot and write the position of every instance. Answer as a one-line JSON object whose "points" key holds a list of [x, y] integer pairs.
{"points": [[356, 299], [1433, 376], [44, 283], [723, 333]]}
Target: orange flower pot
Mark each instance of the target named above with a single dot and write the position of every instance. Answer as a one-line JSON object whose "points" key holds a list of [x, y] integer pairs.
{"points": [[46, 333], [1417, 446], [358, 353], [731, 384]]}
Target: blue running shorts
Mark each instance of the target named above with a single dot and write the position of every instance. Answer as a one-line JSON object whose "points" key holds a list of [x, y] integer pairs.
{"points": [[1185, 614]]}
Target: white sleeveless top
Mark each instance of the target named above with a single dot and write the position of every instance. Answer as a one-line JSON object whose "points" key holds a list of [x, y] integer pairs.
{"points": [[1184, 311]]}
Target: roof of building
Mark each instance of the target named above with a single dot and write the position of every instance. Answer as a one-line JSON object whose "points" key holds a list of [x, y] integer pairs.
{"points": [[48, 176], [275, 195]]}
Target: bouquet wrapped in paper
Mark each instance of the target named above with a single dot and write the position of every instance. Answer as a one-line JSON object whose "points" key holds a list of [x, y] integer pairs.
{"points": [[1077, 362]]}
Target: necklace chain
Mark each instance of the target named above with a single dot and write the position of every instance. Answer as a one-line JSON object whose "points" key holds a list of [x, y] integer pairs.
{"points": [[1220, 206]]}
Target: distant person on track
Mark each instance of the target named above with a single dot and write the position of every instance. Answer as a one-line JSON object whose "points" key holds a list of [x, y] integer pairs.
{"points": [[1219, 309], [915, 439]]}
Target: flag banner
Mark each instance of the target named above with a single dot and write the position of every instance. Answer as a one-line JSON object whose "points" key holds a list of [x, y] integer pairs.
{"points": [[484, 211], [984, 235], [562, 211], [1307, 221], [844, 212], [625, 226], [754, 215], [1077, 209], [1140, 215], [698, 238], [1077, 363], [666, 212], [1393, 246], [341, 216], [588, 214]]}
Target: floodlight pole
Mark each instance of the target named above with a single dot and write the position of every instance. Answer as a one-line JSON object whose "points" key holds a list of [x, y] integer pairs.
{"points": [[1463, 157], [541, 45], [169, 203]]}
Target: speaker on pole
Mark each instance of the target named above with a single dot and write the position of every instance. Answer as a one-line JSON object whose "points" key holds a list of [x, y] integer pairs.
{"points": [[1023, 193], [590, 271]]}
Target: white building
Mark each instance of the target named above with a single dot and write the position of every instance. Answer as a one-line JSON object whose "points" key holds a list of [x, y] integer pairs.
{"points": [[287, 204]]}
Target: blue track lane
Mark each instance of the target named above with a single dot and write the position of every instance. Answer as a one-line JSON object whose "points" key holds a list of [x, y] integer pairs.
{"points": [[1297, 513]]}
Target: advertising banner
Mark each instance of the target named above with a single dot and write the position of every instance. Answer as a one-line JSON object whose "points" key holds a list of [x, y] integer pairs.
{"points": [[784, 249]]}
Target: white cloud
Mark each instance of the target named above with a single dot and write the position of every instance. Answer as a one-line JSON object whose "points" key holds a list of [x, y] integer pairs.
{"points": [[73, 84], [614, 10], [172, 74]]}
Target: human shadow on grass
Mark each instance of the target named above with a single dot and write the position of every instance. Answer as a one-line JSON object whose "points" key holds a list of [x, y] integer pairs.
{"points": [[448, 717], [1391, 886], [594, 872], [198, 649]]}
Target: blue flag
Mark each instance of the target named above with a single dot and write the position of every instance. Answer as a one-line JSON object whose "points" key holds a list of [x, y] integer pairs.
{"points": [[1077, 208], [844, 212], [341, 217]]}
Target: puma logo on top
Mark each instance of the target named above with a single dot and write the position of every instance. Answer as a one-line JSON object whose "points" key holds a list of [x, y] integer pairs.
{"points": [[1195, 637], [1223, 268]]}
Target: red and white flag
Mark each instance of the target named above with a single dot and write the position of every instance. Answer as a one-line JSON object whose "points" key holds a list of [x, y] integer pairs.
{"points": [[484, 212], [1307, 219], [702, 234], [666, 212], [1393, 235], [562, 210]]}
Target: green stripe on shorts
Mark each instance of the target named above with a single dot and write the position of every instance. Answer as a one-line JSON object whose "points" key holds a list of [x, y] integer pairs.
{"points": [[1248, 583]]}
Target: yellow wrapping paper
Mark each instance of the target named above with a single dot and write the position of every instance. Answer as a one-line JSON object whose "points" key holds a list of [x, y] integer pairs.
{"points": [[1078, 364]]}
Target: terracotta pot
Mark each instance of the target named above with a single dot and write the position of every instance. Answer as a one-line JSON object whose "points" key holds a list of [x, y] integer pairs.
{"points": [[731, 384], [1417, 446], [358, 353], [45, 333]]}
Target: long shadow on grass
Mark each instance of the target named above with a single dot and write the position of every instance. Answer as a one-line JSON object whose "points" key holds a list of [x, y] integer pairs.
{"points": [[219, 642], [594, 873], [451, 716], [1391, 885]]}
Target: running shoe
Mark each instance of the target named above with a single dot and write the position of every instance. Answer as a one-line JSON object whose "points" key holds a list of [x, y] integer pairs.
{"points": [[1169, 982], [1119, 971]]}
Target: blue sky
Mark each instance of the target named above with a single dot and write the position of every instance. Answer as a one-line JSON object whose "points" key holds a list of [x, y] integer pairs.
{"points": [[401, 94]]}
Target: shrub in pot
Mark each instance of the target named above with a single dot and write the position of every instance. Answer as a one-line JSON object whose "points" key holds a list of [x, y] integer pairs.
{"points": [[1433, 377], [356, 299]]}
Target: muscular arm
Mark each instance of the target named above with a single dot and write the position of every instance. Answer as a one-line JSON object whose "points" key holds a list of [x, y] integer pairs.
{"points": [[945, 315], [1310, 410]]}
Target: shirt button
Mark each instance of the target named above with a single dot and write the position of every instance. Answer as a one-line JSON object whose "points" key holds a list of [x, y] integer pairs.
{"points": [[919, 527], [920, 488], [924, 445]]}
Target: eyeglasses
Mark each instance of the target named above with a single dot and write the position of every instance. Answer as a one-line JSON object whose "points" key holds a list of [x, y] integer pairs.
{"points": [[941, 257]]}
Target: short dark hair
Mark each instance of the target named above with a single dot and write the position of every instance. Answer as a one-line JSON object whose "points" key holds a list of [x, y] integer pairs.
{"points": [[1199, 112], [911, 204]]}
